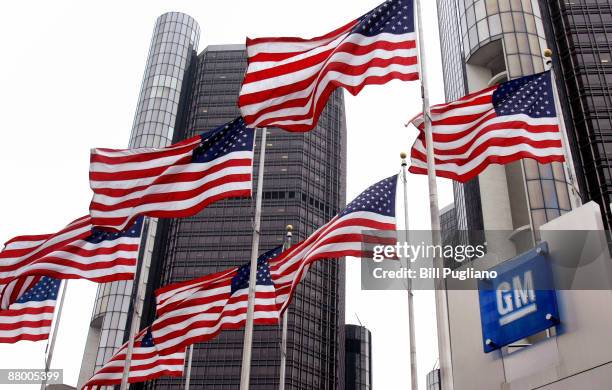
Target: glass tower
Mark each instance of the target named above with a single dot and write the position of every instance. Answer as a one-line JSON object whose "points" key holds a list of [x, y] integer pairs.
{"points": [[484, 43], [171, 53], [304, 185], [580, 33], [358, 358], [467, 213]]}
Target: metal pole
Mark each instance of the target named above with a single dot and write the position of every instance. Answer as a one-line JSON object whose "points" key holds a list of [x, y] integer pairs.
{"points": [[446, 370], [570, 169], [136, 304], [534, 238], [283, 357], [51, 345], [248, 329], [414, 378], [188, 374]]}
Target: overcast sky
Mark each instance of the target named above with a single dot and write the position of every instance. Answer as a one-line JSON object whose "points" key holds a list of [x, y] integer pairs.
{"points": [[69, 81]]}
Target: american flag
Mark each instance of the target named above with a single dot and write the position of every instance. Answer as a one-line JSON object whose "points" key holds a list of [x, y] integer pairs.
{"points": [[369, 218], [498, 125], [78, 251], [177, 181], [30, 317], [289, 80], [197, 310], [148, 363]]}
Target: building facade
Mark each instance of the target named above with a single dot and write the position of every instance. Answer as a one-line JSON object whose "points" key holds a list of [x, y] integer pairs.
{"points": [[304, 185], [580, 32], [467, 206], [358, 358], [485, 43], [168, 69]]}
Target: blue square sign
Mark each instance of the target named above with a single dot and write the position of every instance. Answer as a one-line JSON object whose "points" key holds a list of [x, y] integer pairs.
{"points": [[520, 301]]}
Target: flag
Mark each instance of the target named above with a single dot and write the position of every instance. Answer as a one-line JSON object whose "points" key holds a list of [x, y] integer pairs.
{"points": [[369, 218], [197, 310], [288, 80], [498, 125], [148, 363], [177, 181], [31, 315], [78, 251]]}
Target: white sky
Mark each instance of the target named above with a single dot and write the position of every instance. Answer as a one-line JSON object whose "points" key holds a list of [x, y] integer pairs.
{"points": [[69, 80]]}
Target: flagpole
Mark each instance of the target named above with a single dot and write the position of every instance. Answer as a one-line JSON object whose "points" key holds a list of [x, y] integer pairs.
{"points": [[283, 357], [136, 304], [51, 344], [570, 169], [248, 329], [414, 379], [188, 374], [446, 370]]}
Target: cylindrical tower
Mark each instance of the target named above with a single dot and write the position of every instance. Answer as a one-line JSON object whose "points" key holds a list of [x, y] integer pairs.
{"points": [[165, 82], [174, 43], [503, 40]]}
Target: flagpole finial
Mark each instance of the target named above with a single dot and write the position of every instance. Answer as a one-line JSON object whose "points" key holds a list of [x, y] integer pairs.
{"points": [[403, 155], [548, 53], [289, 229]]}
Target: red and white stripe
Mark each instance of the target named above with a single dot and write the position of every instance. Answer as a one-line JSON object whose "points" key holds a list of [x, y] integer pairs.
{"points": [[342, 236], [26, 321], [147, 364], [162, 182], [65, 255], [289, 80], [10, 292], [198, 310], [469, 136]]}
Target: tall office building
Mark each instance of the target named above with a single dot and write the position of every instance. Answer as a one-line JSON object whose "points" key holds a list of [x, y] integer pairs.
{"points": [[304, 185], [168, 69], [433, 380], [580, 32], [484, 43], [467, 207], [358, 358]]}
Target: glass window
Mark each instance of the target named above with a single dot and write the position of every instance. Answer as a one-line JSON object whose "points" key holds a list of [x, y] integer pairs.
{"points": [[495, 25], [492, 7], [483, 30]]}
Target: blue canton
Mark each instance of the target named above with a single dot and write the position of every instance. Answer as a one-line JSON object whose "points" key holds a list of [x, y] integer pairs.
{"points": [[241, 280], [531, 95], [46, 289], [234, 136], [392, 16], [147, 340], [378, 198], [97, 235]]}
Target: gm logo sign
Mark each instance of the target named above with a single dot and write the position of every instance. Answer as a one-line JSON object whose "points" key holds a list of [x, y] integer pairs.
{"points": [[520, 302], [516, 300]]}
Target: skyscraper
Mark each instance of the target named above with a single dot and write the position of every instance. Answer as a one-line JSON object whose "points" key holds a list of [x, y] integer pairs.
{"points": [[580, 32], [304, 185], [484, 43], [164, 87], [358, 358]]}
